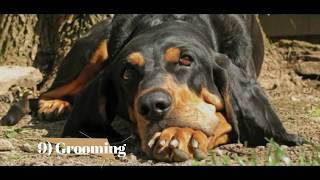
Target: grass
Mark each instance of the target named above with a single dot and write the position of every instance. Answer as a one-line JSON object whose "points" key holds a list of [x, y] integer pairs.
{"points": [[198, 163], [316, 112], [14, 157], [12, 132], [274, 155], [253, 159]]}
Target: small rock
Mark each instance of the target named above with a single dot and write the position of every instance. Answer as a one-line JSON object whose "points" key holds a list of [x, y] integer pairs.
{"points": [[260, 147], [308, 68], [268, 145], [295, 99], [291, 152], [150, 162], [18, 76], [131, 157], [5, 145], [26, 147], [286, 160], [38, 164], [284, 147], [219, 152], [67, 164]]}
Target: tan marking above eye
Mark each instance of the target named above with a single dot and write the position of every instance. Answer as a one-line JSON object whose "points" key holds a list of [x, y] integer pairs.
{"points": [[172, 54], [136, 58]]}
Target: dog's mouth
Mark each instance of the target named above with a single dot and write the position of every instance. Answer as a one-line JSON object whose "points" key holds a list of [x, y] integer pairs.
{"points": [[175, 137]]}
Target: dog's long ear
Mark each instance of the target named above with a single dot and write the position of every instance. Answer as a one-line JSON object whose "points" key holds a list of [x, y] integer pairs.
{"points": [[93, 106], [92, 110], [247, 107]]}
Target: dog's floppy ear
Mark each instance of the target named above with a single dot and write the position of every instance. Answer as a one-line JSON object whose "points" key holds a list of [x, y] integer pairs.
{"points": [[247, 107], [92, 111]]}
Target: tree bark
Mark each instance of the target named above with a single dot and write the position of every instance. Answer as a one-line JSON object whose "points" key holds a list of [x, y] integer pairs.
{"points": [[18, 39], [266, 42]]}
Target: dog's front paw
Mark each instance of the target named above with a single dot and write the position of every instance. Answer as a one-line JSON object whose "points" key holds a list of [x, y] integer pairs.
{"points": [[176, 144], [53, 110]]}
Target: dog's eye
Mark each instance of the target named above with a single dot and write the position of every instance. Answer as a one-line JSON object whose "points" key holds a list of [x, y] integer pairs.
{"points": [[185, 60], [126, 74]]}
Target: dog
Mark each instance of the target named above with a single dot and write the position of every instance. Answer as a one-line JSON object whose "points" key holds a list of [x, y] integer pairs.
{"points": [[188, 83]]}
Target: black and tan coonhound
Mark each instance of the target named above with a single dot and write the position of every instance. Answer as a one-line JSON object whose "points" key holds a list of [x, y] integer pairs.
{"points": [[186, 82]]}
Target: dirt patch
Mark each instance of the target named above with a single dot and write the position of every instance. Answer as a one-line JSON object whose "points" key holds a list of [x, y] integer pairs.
{"points": [[295, 98]]}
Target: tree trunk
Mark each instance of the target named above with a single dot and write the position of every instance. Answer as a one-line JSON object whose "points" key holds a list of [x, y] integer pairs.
{"points": [[266, 42], [42, 40], [18, 39]]}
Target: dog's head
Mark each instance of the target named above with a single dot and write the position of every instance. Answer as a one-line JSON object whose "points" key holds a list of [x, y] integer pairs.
{"points": [[163, 78]]}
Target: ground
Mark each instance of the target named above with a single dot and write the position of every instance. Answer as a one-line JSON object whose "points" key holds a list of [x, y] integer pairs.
{"points": [[295, 98]]}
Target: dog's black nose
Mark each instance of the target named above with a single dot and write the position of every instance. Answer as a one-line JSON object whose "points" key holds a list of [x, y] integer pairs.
{"points": [[154, 105]]}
